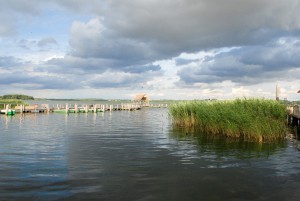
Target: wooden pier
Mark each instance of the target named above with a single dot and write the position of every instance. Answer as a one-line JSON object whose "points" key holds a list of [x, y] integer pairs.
{"points": [[293, 115], [75, 108]]}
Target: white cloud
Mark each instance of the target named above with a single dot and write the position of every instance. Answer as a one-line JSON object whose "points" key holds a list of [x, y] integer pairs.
{"points": [[202, 48]]}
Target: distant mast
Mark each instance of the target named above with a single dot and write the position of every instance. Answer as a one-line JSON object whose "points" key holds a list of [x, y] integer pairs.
{"points": [[277, 92]]}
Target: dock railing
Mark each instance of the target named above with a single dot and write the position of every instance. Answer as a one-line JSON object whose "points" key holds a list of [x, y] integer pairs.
{"points": [[83, 108]]}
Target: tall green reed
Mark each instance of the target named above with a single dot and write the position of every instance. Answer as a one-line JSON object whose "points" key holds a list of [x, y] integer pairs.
{"points": [[249, 119]]}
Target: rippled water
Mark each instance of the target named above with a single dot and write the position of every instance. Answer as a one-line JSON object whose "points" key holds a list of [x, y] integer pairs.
{"points": [[136, 156]]}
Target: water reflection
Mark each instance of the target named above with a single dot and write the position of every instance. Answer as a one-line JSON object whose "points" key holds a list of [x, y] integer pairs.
{"points": [[136, 155], [228, 147]]}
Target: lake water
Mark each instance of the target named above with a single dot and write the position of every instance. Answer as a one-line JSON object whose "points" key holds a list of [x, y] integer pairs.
{"points": [[137, 155]]}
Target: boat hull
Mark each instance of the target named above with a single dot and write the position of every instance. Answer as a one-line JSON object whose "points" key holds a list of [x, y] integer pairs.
{"points": [[9, 112]]}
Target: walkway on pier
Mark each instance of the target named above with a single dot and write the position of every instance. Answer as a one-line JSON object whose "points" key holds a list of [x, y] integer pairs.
{"points": [[75, 108]]}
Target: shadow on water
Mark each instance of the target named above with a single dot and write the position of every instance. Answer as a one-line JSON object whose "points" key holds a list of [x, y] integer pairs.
{"points": [[223, 146]]}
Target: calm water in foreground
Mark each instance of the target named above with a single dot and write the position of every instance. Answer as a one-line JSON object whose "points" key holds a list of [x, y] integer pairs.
{"points": [[136, 156]]}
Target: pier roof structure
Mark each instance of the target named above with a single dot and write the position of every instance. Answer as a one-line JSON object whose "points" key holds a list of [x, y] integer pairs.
{"points": [[143, 99]]}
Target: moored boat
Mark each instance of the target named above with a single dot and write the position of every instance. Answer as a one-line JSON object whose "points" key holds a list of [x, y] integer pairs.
{"points": [[100, 110], [8, 112], [60, 111]]}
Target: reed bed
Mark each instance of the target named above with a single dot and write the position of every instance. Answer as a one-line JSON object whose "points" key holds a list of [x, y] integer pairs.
{"points": [[250, 119]]}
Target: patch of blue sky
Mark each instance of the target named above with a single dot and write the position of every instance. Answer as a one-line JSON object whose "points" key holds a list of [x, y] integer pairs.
{"points": [[54, 23]]}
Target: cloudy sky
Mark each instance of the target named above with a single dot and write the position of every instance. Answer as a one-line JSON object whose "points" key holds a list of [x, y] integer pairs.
{"points": [[169, 49]]}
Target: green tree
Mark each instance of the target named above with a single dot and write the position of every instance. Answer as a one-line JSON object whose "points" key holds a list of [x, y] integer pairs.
{"points": [[18, 96]]}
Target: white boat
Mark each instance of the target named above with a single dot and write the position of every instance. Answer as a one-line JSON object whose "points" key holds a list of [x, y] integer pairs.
{"points": [[8, 112]]}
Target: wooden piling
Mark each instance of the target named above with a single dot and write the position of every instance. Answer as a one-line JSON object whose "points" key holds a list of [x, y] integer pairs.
{"points": [[21, 109], [67, 108], [6, 109], [76, 108]]}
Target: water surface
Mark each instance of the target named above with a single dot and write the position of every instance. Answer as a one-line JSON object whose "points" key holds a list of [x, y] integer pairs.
{"points": [[137, 155]]}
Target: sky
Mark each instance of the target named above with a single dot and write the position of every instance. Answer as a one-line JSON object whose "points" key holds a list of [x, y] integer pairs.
{"points": [[168, 49]]}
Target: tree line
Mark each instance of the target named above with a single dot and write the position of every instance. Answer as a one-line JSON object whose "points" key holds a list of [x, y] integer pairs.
{"points": [[17, 96]]}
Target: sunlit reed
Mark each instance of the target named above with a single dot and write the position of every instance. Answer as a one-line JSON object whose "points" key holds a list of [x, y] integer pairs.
{"points": [[250, 119]]}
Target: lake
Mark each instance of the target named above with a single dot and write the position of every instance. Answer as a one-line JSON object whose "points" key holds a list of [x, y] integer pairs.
{"points": [[137, 155]]}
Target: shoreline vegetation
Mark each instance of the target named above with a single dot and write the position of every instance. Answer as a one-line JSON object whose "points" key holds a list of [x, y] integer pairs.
{"points": [[257, 120], [12, 102], [13, 99], [16, 96]]}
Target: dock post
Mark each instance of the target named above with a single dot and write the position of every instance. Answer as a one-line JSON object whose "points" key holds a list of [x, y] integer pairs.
{"points": [[110, 107], [21, 109], [47, 108], [86, 108], [6, 109], [67, 108], [76, 108]]}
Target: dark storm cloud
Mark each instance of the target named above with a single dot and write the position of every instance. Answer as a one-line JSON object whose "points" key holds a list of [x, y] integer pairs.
{"points": [[141, 69], [129, 35], [74, 65], [7, 62], [247, 65], [14, 10], [180, 61], [172, 27], [29, 81], [46, 42], [92, 39], [120, 79], [135, 33], [26, 44], [272, 58], [190, 25]]}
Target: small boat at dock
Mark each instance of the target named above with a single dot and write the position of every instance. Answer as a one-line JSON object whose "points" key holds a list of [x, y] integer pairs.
{"points": [[8, 112], [60, 111]]}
